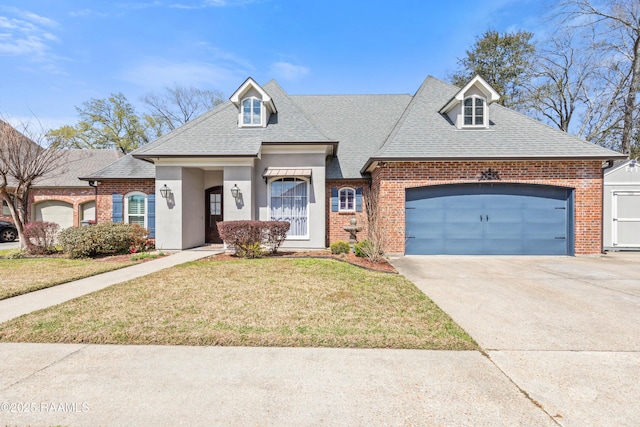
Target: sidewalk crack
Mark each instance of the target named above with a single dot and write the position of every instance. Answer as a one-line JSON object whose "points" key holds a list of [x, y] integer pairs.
{"points": [[45, 367], [521, 390]]}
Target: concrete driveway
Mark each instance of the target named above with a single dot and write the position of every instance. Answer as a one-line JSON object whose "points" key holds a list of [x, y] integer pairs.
{"points": [[566, 330]]}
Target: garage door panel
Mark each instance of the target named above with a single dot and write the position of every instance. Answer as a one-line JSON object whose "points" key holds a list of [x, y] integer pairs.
{"points": [[466, 245], [487, 219], [55, 211]]}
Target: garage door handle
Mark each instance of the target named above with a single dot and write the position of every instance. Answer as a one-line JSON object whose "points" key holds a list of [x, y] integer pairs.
{"points": [[487, 218], [480, 218]]}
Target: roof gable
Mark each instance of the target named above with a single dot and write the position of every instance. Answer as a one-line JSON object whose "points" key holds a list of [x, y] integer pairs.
{"points": [[247, 87], [425, 133], [477, 83]]}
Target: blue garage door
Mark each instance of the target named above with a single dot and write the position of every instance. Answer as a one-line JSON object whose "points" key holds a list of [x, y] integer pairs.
{"points": [[489, 219]]}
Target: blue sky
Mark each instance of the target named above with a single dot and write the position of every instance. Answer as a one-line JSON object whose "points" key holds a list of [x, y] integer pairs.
{"points": [[55, 54]]}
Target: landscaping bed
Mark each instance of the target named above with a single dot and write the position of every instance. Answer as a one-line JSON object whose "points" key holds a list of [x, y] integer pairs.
{"points": [[275, 301]]}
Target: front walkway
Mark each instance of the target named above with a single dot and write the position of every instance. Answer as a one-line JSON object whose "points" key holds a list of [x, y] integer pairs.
{"points": [[11, 308]]}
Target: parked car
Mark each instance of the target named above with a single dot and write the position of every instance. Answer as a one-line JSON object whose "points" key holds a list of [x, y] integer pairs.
{"points": [[8, 232]]}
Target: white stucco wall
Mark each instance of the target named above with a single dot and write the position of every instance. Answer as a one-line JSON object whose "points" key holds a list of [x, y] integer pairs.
{"points": [[317, 219], [169, 211], [242, 208]]}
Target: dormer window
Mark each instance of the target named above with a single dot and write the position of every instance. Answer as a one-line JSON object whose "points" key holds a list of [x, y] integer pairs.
{"points": [[252, 111], [255, 106], [474, 111], [469, 108]]}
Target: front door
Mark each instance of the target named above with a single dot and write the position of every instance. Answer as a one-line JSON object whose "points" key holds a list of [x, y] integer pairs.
{"points": [[214, 213]]}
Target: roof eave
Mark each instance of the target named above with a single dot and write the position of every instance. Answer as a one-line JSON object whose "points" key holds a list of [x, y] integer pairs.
{"points": [[372, 160]]}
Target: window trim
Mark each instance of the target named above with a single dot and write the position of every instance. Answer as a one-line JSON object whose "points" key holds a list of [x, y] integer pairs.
{"points": [[473, 112], [252, 99], [353, 199], [308, 187], [125, 207]]}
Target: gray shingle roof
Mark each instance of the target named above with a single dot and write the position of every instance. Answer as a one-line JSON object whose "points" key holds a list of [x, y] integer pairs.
{"points": [[216, 132], [424, 133], [360, 123], [75, 164], [126, 167], [367, 128]]}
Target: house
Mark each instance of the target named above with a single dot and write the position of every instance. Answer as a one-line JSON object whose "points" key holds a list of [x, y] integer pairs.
{"points": [[59, 196], [621, 216], [450, 171]]}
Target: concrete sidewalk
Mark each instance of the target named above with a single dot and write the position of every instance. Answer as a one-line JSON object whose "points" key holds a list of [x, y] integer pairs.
{"points": [[11, 308], [113, 385]]}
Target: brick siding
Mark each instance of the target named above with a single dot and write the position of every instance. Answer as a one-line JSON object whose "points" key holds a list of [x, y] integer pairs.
{"points": [[335, 221], [106, 188], [389, 181]]}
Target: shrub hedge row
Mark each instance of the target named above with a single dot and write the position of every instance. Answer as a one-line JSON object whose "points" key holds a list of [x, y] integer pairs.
{"points": [[103, 239]]}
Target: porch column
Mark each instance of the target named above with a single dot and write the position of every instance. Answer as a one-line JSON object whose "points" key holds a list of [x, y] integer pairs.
{"points": [[240, 207]]}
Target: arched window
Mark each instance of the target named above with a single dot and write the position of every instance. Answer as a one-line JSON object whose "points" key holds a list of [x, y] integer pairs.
{"points": [[474, 111], [251, 111], [135, 209], [346, 200], [288, 201]]}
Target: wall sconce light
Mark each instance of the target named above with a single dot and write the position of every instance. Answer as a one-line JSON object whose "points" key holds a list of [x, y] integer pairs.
{"points": [[165, 191], [235, 191]]}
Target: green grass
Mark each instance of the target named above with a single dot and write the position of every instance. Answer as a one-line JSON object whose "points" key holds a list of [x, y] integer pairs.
{"points": [[20, 276], [264, 302]]}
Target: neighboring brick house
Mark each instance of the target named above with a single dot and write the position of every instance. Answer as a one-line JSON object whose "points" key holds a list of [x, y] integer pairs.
{"points": [[450, 171], [61, 197]]}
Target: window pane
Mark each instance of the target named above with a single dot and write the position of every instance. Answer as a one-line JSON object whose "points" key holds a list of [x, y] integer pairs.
{"points": [[289, 203], [5, 209], [136, 205], [347, 198], [256, 111], [468, 102], [136, 219], [479, 102], [468, 120], [214, 204]]}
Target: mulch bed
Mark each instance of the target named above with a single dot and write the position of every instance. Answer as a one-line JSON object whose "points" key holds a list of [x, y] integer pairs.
{"points": [[351, 258]]}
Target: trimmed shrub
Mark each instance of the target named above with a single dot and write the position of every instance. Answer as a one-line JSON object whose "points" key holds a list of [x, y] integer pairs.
{"points": [[103, 239], [340, 247], [276, 233], [41, 237], [251, 239]]}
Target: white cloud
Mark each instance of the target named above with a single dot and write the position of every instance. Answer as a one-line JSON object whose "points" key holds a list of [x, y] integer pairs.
{"points": [[25, 33], [288, 71]]}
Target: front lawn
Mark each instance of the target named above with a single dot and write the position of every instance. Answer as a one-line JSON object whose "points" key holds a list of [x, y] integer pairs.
{"points": [[19, 276], [265, 302]]}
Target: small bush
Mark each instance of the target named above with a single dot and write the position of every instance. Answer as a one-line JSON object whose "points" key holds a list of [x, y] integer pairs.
{"points": [[103, 239], [251, 239], [340, 247], [41, 237], [362, 249]]}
